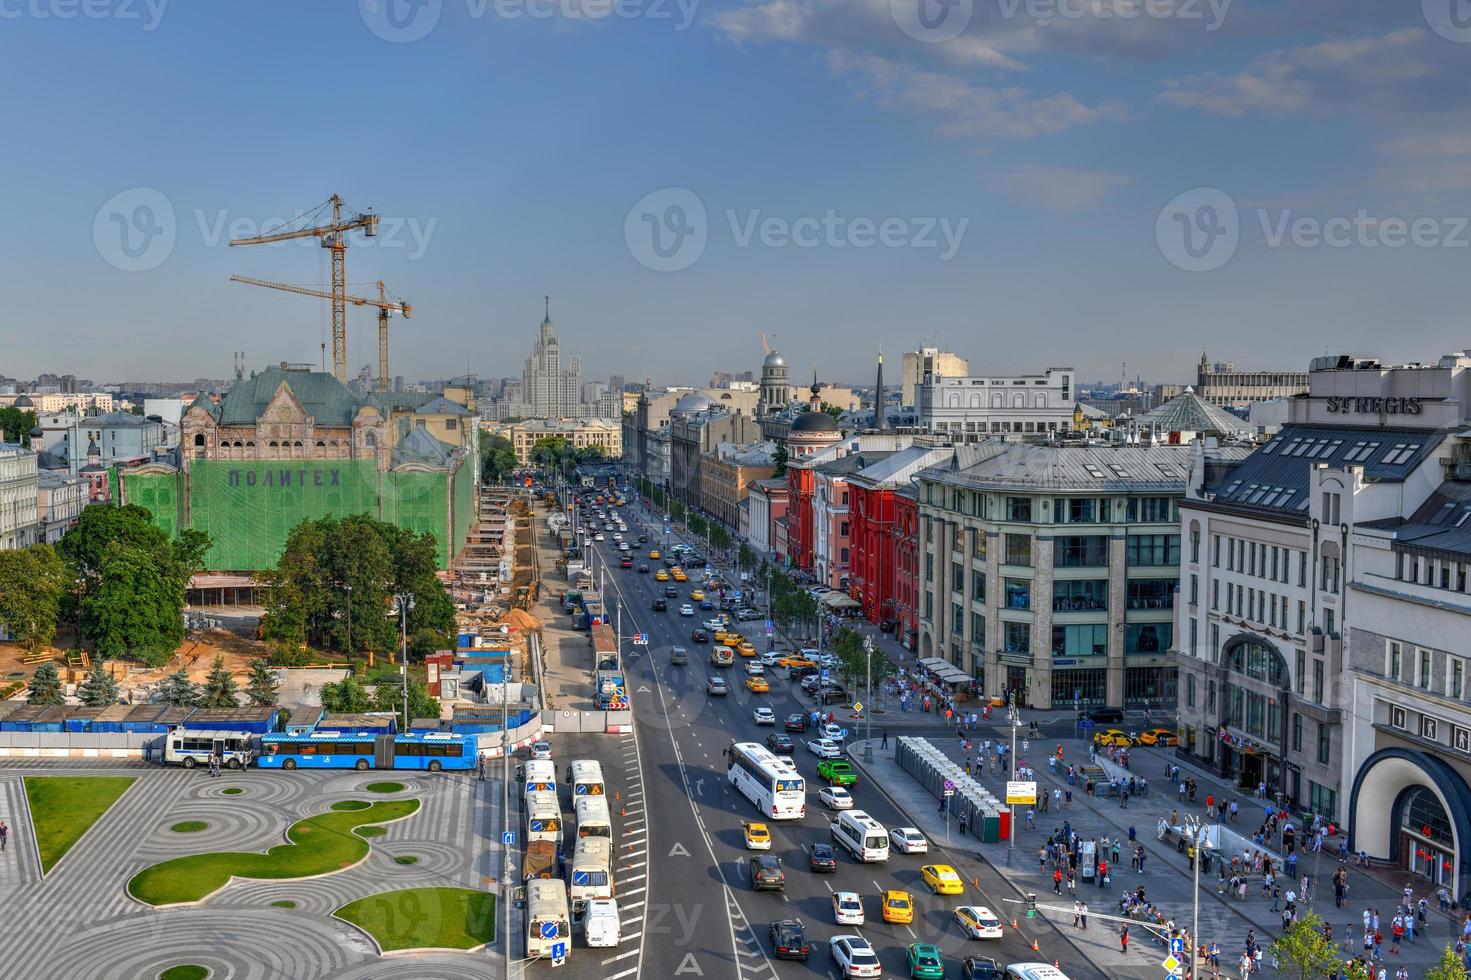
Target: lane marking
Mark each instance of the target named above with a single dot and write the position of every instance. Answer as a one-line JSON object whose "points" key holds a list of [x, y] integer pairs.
{"points": [[622, 956]]}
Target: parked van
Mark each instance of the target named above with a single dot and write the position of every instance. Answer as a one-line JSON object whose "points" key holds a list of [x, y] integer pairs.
{"points": [[585, 776], [541, 776], [600, 923], [591, 871], [543, 817], [594, 818], [863, 836], [547, 920]]}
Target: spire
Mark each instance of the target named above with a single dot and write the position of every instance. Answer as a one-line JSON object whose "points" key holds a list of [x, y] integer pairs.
{"points": [[816, 390], [878, 395], [548, 317]]}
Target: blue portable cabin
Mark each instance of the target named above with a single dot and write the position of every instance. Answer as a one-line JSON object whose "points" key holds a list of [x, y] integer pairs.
{"points": [[378, 724], [257, 721], [109, 720], [80, 720], [7, 708], [420, 726], [302, 720], [154, 719], [31, 718]]}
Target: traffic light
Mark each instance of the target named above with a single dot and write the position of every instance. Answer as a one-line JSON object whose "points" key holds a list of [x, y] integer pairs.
{"points": [[1031, 905]]}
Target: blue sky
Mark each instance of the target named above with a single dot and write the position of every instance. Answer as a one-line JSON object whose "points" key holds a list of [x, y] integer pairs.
{"points": [[1115, 188]]}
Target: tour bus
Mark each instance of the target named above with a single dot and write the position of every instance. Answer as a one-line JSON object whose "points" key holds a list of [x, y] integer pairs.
{"points": [[543, 817], [541, 776], [594, 818], [190, 749], [777, 791], [863, 836], [547, 920], [368, 750], [591, 871], [585, 776]]}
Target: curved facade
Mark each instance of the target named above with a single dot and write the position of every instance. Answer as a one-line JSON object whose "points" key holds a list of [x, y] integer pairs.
{"points": [[1427, 827]]}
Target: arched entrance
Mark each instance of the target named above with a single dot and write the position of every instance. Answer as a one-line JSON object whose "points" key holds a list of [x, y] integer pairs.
{"points": [[1427, 828], [926, 645], [1254, 724]]}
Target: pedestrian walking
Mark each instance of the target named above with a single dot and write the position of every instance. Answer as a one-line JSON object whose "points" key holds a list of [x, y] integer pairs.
{"points": [[1057, 880], [962, 826], [480, 768], [885, 743], [1124, 938], [1077, 914], [1083, 914], [4, 836]]}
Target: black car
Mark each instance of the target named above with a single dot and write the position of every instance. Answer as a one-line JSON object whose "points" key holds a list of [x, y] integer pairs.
{"points": [[796, 722], [801, 673], [670, 592], [766, 873], [696, 636], [980, 968], [788, 940], [660, 605], [643, 568], [643, 539], [823, 859], [1105, 716], [777, 742]]}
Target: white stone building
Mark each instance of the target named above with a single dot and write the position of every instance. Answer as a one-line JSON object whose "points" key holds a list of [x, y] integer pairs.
{"points": [[18, 497], [972, 409]]}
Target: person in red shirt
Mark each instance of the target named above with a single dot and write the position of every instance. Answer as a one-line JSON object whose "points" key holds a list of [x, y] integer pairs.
{"points": [[1057, 880]]}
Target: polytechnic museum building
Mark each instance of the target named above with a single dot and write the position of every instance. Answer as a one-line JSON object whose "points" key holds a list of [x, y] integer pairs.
{"points": [[1324, 651]]}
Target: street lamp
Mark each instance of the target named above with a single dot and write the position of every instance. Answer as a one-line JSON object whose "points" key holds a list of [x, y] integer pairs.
{"points": [[868, 719], [403, 604], [348, 589], [1016, 720], [1192, 826]]}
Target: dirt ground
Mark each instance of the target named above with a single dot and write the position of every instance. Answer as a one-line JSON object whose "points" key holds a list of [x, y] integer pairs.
{"points": [[197, 655]]}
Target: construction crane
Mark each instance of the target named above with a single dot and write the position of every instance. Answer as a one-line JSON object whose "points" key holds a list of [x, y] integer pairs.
{"points": [[334, 237], [765, 347], [384, 305]]}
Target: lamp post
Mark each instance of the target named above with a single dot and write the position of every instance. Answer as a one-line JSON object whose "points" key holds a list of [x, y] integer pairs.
{"points": [[1011, 774], [1192, 824], [403, 604], [868, 719], [348, 589]]}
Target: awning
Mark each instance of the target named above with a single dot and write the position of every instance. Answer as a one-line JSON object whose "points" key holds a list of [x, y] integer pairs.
{"points": [[944, 671], [838, 600]]}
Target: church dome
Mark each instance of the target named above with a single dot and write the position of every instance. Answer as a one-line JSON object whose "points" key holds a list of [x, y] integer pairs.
{"points": [[815, 423], [24, 401], [692, 404], [774, 359]]}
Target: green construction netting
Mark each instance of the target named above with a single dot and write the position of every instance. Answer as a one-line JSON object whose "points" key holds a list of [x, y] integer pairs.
{"points": [[159, 492], [464, 490], [420, 503]]}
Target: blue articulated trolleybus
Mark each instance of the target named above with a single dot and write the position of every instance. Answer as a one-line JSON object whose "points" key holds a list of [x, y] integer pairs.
{"points": [[366, 750]]}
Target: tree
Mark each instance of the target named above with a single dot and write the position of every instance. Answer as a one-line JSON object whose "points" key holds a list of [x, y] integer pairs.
{"points": [[833, 410], [698, 524], [390, 697], [345, 697], [1303, 951], [17, 423], [32, 583], [719, 536], [745, 557], [45, 686], [219, 687], [136, 609], [497, 458], [178, 690], [780, 457], [1450, 967], [99, 689], [261, 689]]}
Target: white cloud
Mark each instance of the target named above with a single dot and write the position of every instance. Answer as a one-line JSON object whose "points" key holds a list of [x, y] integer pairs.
{"points": [[1060, 188]]}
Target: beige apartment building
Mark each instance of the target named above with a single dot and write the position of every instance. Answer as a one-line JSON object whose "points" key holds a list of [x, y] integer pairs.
{"points": [[606, 434]]}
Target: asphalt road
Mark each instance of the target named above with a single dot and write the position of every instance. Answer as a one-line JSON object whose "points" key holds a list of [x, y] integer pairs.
{"points": [[702, 916]]}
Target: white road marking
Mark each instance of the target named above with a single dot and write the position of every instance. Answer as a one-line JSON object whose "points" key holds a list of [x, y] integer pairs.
{"points": [[625, 973], [622, 956], [630, 880]]}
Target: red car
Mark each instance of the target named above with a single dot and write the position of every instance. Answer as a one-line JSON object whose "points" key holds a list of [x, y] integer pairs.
{"points": [[626, 563], [699, 636]]}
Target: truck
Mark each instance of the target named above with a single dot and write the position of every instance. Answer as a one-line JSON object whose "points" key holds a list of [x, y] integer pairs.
{"points": [[612, 690], [541, 860], [604, 647]]}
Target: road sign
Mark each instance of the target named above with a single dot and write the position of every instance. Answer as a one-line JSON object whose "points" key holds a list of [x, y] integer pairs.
{"points": [[640, 639], [770, 626], [1171, 964], [581, 877], [770, 630], [549, 930], [1021, 792], [949, 787], [536, 825], [559, 950], [857, 705], [823, 673], [1177, 945], [508, 837]]}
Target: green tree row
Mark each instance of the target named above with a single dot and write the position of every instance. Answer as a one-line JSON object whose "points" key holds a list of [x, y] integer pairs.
{"points": [[219, 690]]}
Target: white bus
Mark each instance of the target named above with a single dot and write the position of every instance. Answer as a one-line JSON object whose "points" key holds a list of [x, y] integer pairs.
{"points": [[594, 817], [777, 790], [591, 871], [194, 748], [547, 920], [543, 817], [585, 776], [863, 836], [541, 776]]}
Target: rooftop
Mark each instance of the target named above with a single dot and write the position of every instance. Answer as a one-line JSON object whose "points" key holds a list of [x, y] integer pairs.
{"points": [[1127, 469], [325, 399], [1188, 412], [1442, 523]]}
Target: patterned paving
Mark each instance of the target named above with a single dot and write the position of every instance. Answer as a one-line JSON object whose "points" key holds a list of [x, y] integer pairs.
{"points": [[236, 932]]}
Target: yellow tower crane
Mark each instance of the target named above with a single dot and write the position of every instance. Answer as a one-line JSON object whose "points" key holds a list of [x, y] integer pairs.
{"points": [[383, 303], [333, 236]]}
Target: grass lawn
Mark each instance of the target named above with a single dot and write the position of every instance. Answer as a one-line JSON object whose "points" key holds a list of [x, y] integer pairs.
{"points": [[189, 827], [371, 831], [425, 918], [318, 845], [185, 971], [384, 787], [285, 903], [405, 859], [232, 791], [63, 808]]}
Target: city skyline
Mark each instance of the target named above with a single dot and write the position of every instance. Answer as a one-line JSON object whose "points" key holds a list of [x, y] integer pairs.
{"points": [[1056, 155]]}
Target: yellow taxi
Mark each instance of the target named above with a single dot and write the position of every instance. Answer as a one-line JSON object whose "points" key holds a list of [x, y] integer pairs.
{"points": [[661, 576], [795, 660], [758, 837], [1158, 736], [746, 649], [654, 555], [679, 575], [758, 685], [697, 595], [942, 879], [728, 638], [1113, 736], [898, 906]]}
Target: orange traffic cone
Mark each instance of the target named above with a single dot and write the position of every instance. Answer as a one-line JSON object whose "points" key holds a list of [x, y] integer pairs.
{"points": [[1035, 947]]}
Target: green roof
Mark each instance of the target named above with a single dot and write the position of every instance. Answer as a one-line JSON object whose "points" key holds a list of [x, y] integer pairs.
{"points": [[325, 399]]}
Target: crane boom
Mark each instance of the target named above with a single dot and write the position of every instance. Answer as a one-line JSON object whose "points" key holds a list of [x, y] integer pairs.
{"points": [[383, 303], [334, 237]]}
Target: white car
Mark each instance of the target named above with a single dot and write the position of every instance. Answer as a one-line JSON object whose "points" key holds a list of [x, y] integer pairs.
{"points": [[908, 840], [847, 909], [755, 668], [824, 748], [830, 730], [771, 657], [541, 749], [686, 610], [978, 922], [714, 624], [836, 798], [763, 716], [598, 536], [853, 956]]}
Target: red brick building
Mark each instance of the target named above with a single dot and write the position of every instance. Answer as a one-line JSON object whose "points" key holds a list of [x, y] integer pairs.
{"points": [[906, 565]]}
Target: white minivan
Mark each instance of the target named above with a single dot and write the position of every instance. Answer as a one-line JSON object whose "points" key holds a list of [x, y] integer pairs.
{"points": [[600, 924]]}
